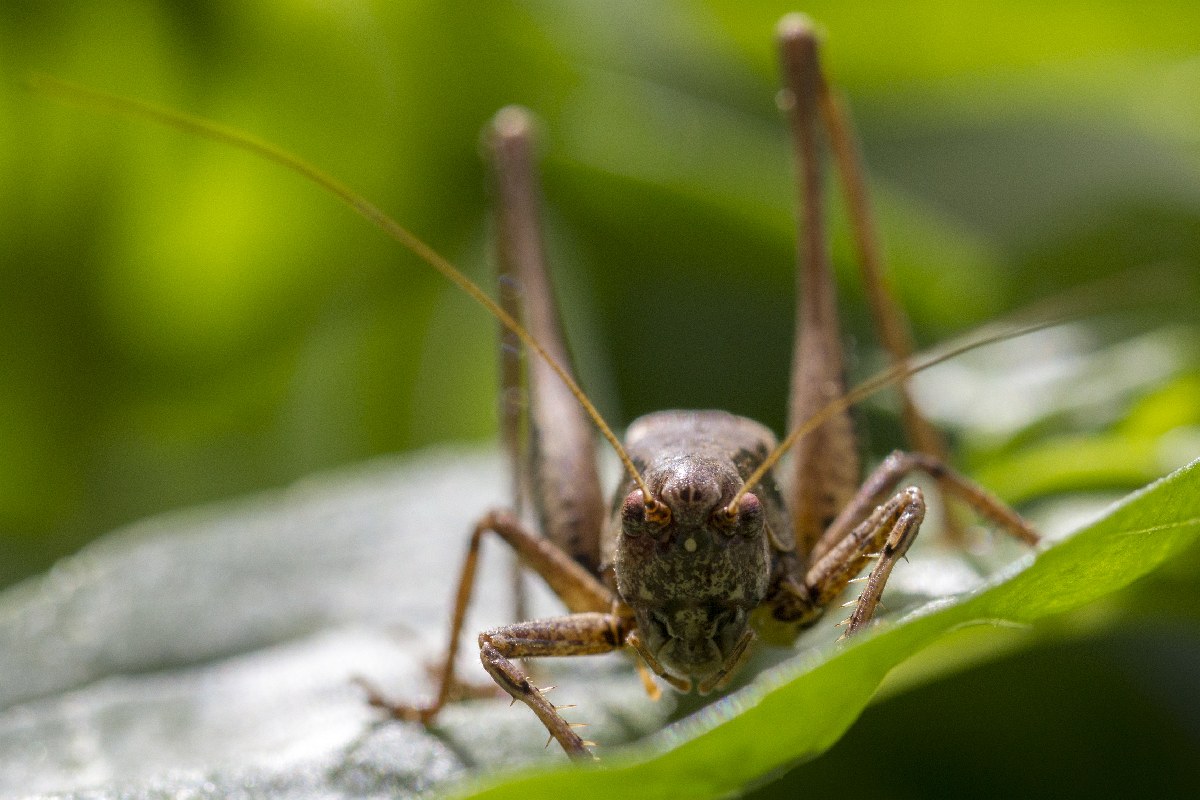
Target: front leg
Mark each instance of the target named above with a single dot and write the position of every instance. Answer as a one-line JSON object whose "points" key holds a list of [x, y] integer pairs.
{"points": [[868, 527], [886, 535], [573, 635], [798, 602]]}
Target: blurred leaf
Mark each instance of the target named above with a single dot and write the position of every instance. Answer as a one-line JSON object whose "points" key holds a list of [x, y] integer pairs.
{"points": [[178, 323], [181, 323]]}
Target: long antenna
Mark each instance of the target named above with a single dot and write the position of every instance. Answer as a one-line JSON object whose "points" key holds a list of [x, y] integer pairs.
{"points": [[104, 101], [899, 371]]}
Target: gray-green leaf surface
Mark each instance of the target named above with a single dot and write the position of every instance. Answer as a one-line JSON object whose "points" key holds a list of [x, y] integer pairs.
{"points": [[209, 653]]}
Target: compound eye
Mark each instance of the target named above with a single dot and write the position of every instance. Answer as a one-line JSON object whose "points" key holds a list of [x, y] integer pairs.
{"points": [[750, 509], [746, 518], [751, 519]]}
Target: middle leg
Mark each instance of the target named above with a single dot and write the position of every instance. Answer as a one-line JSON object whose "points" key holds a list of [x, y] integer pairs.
{"points": [[883, 480]]}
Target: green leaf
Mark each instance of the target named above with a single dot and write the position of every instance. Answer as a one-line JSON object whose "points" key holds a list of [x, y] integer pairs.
{"points": [[807, 705], [211, 650]]}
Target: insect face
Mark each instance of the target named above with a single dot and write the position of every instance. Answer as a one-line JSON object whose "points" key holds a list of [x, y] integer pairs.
{"points": [[692, 578]]}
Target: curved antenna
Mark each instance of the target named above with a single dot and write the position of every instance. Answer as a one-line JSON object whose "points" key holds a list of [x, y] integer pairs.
{"points": [[104, 101], [899, 371]]}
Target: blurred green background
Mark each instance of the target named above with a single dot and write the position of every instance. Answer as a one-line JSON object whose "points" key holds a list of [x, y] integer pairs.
{"points": [[180, 322]]}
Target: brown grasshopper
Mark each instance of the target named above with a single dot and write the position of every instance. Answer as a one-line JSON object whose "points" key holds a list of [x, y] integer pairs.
{"points": [[704, 547]]}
